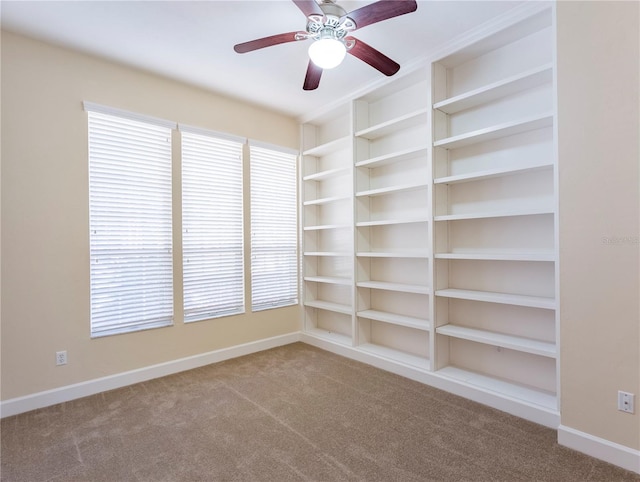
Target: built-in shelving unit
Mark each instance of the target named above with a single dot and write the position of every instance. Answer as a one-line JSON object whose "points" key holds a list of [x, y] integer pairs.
{"points": [[495, 202], [429, 221], [327, 226], [392, 234]]}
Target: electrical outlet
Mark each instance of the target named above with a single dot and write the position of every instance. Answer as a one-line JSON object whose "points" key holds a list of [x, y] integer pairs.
{"points": [[625, 402], [61, 357]]}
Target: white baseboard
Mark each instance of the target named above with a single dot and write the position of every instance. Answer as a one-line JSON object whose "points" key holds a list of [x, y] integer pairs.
{"points": [[600, 448], [27, 403], [517, 407]]}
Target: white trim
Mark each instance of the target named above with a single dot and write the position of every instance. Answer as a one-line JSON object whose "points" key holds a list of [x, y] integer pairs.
{"points": [[105, 109], [27, 403], [201, 131], [600, 448], [273, 147]]}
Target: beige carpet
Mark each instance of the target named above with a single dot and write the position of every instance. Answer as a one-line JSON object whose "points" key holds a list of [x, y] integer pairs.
{"points": [[292, 413]]}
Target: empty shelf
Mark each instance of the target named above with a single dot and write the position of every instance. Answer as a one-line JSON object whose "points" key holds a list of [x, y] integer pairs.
{"points": [[385, 285], [329, 336], [496, 132], [503, 88], [512, 342], [326, 253], [319, 176], [490, 173], [494, 214], [502, 298], [396, 319], [329, 306], [503, 256], [325, 226], [392, 189], [394, 125], [512, 390], [326, 200], [393, 157], [396, 355], [328, 147], [385, 222], [328, 279], [387, 254]]}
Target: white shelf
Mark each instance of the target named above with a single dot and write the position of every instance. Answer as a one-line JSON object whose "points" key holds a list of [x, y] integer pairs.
{"points": [[326, 253], [387, 222], [326, 200], [497, 131], [385, 285], [329, 336], [395, 355], [328, 279], [393, 318], [329, 173], [325, 226], [387, 254], [392, 189], [392, 158], [502, 298], [512, 342], [328, 147], [329, 306], [505, 388], [491, 173], [394, 125], [502, 256], [523, 81], [493, 214]]}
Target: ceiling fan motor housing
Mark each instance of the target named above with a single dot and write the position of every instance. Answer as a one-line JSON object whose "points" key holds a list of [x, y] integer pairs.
{"points": [[334, 24]]}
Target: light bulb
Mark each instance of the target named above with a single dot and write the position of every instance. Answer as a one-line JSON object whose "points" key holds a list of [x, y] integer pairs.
{"points": [[327, 53]]}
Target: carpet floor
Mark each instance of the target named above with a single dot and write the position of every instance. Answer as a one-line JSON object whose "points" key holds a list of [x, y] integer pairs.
{"points": [[294, 413]]}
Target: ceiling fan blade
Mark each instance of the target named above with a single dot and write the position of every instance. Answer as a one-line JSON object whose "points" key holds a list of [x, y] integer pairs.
{"points": [[309, 7], [261, 43], [373, 57], [381, 10], [312, 79]]}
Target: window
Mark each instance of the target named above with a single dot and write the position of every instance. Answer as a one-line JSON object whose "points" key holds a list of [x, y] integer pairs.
{"points": [[130, 222], [274, 259], [131, 217], [212, 229]]}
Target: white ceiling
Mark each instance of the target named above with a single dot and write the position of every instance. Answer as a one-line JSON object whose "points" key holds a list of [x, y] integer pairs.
{"points": [[192, 41]]}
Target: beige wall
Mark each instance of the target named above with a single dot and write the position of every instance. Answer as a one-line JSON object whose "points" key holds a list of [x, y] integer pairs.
{"points": [[45, 267], [598, 112], [44, 216]]}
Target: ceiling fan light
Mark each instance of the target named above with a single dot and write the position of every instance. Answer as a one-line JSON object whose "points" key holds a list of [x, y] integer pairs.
{"points": [[327, 53]]}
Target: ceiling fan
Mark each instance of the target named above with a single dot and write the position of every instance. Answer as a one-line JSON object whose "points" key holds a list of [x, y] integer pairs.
{"points": [[329, 26]]}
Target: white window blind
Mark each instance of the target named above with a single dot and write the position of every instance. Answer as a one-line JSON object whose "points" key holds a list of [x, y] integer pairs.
{"points": [[274, 257], [130, 224], [212, 240]]}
